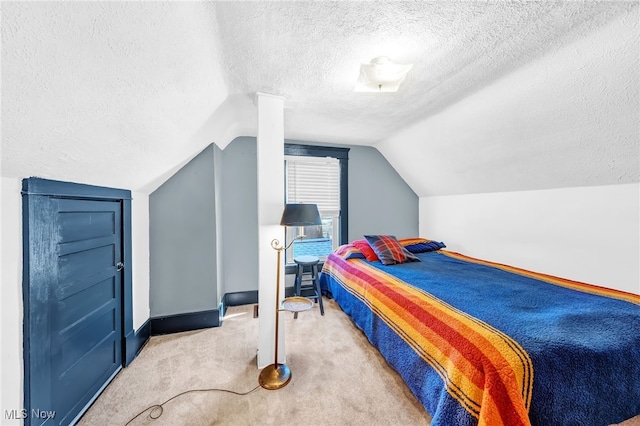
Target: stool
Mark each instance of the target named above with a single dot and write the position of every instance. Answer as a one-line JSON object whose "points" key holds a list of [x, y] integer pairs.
{"points": [[310, 279]]}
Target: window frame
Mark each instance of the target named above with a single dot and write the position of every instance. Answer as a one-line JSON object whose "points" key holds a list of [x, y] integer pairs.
{"points": [[342, 154]]}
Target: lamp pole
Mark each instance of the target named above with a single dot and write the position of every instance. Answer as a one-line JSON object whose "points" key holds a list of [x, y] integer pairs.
{"points": [[276, 376]]}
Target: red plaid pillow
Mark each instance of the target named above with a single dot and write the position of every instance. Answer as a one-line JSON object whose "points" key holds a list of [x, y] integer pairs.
{"points": [[389, 250]]}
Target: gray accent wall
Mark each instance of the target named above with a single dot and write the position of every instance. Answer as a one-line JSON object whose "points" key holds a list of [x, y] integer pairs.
{"points": [[380, 201], [182, 239], [204, 222], [219, 248], [240, 215]]}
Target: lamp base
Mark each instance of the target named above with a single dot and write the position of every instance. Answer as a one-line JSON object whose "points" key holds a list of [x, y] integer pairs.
{"points": [[274, 376]]}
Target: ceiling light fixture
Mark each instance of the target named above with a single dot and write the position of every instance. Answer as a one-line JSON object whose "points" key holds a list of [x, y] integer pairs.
{"points": [[381, 75]]}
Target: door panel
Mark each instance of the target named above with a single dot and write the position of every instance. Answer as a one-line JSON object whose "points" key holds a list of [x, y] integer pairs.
{"points": [[73, 349], [86, 312], [81, 304], [82, 264], [76, 226], [73, 303], [78, 385]]}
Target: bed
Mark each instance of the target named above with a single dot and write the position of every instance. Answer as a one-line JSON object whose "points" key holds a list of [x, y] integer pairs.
{"points": [[483, 343]]}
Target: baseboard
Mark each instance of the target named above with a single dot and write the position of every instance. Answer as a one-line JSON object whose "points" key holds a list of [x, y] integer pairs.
{"points": [[136, 340], [185, 322], [191, 321], [247, 297], [250, 297], [237, 299], [240, 298]]}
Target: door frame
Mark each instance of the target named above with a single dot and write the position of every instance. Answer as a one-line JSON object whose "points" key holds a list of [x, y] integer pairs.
{"points": [[36, 192]]}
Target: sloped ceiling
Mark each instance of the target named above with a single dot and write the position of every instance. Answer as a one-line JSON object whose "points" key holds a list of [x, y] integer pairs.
{"points": [[122, 93], [108, 93]]}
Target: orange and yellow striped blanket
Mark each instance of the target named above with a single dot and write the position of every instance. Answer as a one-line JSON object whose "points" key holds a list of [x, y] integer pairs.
{"points": [[456, 337]]}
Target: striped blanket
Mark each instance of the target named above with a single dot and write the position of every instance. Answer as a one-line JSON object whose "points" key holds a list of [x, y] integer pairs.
{"points": [[481, 343]]}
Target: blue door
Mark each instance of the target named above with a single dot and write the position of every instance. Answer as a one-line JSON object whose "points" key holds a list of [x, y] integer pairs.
{"points": [[86, 302], [73, 305]]}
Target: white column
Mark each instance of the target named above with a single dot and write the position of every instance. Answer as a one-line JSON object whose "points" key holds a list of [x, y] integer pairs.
{"points": [[270, 153]]}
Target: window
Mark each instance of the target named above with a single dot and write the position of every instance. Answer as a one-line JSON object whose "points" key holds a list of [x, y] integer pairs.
{"points": [[317, 175]]}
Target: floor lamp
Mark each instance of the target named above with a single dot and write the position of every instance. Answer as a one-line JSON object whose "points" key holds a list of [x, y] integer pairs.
{"points": [[276, 376]]}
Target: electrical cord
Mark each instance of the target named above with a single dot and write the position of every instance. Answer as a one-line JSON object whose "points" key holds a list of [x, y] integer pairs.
{"points": [[157, 408]]}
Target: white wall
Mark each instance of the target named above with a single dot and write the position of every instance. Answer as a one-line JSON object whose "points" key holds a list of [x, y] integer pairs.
{"points": [[140, 257], [11, 298], [587, 234], [11, 371]]}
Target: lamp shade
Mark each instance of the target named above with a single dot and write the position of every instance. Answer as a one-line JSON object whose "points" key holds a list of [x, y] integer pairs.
{"points": [[300, 215]]}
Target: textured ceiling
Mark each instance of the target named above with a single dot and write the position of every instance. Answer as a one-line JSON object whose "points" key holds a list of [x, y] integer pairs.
{"points": [[570, 118], [310, 52], [124, 93], [105, 93]]}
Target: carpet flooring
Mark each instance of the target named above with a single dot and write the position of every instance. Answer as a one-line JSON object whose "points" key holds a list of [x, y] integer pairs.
{"points": [[338, 378]]}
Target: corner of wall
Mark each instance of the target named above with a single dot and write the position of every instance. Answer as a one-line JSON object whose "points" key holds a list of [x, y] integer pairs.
{"points": [[140, 257], [11, 312], [219, 220]]}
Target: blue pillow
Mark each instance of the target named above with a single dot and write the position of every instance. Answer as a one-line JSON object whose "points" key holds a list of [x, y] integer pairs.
{"points": [[423, 246]]}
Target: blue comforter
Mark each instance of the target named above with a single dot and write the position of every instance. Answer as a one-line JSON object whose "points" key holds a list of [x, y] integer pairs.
{"points": [[583, 341]]}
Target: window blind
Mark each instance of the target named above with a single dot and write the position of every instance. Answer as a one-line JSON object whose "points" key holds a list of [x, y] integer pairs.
{"points": [[314, 180]]}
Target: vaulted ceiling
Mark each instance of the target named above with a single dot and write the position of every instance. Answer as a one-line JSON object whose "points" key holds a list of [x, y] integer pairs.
{"points": [[503, 95]]}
